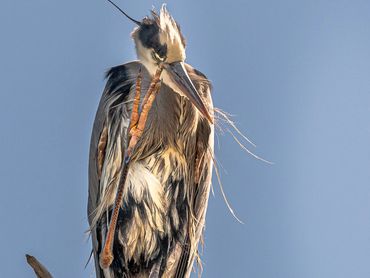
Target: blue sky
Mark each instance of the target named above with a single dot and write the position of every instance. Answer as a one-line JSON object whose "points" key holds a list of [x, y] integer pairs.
{"points": [[294, 73]]}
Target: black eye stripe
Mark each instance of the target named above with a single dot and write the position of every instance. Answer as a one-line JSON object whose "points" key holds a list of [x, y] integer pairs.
{"points": [[149, 37], [161, 50]]}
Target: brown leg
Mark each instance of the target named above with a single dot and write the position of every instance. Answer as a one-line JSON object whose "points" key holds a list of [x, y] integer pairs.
{"points": [[135, 106], [106, 256]]}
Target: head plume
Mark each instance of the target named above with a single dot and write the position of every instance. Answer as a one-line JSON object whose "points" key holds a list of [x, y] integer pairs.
{"points": [[171, 31], [161, 33]]}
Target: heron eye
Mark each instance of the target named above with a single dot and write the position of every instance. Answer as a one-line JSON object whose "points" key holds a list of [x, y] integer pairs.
{"points": [[157, 57]]}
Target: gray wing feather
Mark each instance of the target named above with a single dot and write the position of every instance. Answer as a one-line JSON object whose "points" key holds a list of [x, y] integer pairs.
{"points": [[201, 196], [205, 134]]}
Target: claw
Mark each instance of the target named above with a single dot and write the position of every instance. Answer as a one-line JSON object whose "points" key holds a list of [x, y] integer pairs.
{"points": [[147, 104]]}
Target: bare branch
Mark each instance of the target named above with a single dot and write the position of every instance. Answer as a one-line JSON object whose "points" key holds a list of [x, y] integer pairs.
{"points": [[40, 270]]}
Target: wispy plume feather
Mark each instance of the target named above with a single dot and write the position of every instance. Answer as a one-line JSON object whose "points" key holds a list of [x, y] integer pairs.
{"points": [[224, 123]]}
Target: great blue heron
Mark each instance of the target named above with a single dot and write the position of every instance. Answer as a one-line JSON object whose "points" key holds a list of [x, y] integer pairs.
{"points": [[159, 158]]}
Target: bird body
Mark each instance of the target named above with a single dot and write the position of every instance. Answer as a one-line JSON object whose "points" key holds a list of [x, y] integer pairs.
{"points": [[165, 196]]}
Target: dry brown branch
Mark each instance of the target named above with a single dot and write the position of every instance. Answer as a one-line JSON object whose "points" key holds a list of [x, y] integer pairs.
{"points": [[40, 270]]}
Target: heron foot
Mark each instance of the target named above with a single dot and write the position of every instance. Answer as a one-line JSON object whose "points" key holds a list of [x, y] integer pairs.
{"points": [[105, 259], [137, 128]]}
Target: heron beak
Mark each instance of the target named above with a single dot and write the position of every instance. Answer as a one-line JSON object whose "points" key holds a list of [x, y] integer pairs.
{"points": [[180, 77]]}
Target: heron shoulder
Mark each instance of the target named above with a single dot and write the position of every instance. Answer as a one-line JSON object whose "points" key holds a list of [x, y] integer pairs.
{"points": [[121, 75]]}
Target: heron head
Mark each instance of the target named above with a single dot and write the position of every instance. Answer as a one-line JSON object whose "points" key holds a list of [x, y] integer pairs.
{"points": [[159, 41]]}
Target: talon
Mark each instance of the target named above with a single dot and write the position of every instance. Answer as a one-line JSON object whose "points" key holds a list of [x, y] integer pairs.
{"points": [[153, 90]]}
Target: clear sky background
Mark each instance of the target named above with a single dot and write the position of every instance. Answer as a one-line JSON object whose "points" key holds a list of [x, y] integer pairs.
{"points": [[296, 75]]}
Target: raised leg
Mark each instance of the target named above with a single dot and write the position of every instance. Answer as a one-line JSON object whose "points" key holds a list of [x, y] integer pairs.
{"points": [[137, 125]]}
